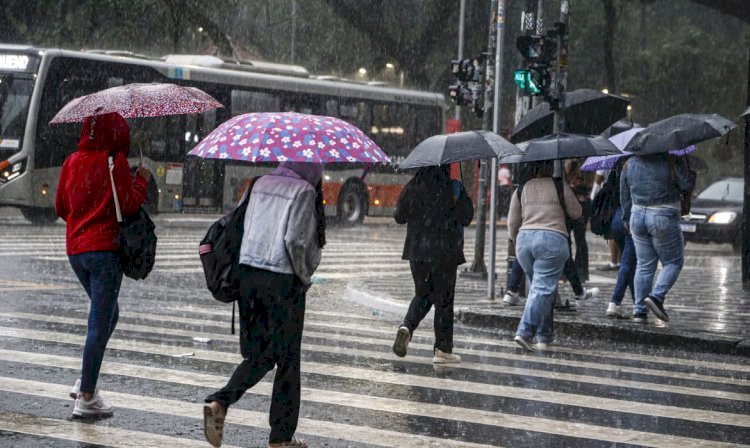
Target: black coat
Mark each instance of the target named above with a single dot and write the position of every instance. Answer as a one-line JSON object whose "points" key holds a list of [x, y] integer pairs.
{"points": [[434, 218]]}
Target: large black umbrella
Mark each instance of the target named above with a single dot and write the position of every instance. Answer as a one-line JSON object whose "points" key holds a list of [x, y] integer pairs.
{"points": [[619, 127], [587, 111], [562, 146], [457, 147], [678, 131]]}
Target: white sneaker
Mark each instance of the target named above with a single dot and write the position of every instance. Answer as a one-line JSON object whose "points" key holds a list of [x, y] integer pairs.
{"points": [[511, 298], [75, 390], [541, 346], [588, 293], [615, 310], [96, 407], [445, 358]]}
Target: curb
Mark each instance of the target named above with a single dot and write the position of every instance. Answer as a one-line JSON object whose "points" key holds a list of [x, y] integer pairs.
{"points": [[668, 338]]}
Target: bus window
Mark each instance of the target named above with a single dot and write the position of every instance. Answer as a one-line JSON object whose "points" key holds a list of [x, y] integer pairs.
{"points": [[332, 108], [67, 79], [393, 129], [357, 113], [244, 101], [15, 93], [428, 124]]}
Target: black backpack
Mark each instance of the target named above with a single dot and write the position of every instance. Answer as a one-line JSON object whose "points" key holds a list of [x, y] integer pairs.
{"points": [[220, 251], [605, 204]]}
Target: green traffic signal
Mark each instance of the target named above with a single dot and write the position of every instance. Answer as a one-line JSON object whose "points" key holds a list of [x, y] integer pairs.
{"points": [[524, 81]]}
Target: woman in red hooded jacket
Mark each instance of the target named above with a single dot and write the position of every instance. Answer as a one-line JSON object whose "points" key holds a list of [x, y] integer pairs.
{"points": [[84, 201]]}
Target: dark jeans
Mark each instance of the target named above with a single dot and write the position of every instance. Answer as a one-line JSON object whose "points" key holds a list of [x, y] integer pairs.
{"points": [[272, 313], [569, 271], [582, 247], [434, 284], [101, 275], [626, 273]]}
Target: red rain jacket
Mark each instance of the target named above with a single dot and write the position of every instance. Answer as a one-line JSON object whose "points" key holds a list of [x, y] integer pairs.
{"points": [[84, 193]]}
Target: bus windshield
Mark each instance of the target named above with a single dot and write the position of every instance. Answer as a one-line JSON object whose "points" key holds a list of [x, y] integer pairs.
{"points": [[15, 94]]}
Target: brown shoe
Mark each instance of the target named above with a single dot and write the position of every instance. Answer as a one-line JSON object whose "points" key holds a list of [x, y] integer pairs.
{"points": [[213, 422], [295, 442]]}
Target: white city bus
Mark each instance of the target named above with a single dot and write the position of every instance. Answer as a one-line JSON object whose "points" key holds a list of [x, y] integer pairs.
{"points": [[35, 83]]}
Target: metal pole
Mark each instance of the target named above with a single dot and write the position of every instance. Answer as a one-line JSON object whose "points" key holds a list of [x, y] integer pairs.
{"points": [[746, 207], [561, 68], [461, 19], [294, 30], [523, 104], [496, 117], [478, 266]]}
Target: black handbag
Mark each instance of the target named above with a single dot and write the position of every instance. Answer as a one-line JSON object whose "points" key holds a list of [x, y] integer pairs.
{"points": [[137, 238]]}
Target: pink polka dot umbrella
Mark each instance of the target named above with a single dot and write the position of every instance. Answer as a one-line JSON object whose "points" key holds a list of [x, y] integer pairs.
{"points": [[138, 100], [288, 136]]}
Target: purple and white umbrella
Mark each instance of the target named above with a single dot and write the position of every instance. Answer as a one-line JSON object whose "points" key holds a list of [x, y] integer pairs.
{"points": [[288, 136], [621, 140]]}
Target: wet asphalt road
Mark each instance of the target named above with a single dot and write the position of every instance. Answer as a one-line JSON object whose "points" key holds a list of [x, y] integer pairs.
{"points": [[355, 391]]}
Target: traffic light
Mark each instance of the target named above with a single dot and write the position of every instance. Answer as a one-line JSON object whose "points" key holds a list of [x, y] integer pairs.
{"points": [[468, 89], [539, 54]]}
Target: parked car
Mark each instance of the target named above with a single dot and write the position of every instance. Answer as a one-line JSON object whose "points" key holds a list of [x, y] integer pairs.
{"points": [[716, 214]]}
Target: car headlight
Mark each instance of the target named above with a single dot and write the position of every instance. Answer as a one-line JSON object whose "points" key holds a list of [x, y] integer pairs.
{"points": [[9, 171], [722, 217]]}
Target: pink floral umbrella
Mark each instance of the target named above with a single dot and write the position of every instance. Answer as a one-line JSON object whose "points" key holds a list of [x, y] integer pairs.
{"points": [[138, 100], [288, 136]]}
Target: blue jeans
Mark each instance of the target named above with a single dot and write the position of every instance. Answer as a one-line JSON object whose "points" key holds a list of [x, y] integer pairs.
{"points": [[657, 237], [626, 273], [101, 275], [542, 254]]}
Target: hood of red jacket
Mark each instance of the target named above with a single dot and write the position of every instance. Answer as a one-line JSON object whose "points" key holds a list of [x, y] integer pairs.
{"points": [[108, 132]]}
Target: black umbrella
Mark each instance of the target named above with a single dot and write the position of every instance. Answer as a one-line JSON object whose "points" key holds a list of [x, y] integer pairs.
{"points": [[587, 111], [457, 147], [619, 127], [679, 131], [562, 146]]}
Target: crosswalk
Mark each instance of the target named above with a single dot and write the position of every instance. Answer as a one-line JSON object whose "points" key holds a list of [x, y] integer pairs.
{"points": [[355, 392]]}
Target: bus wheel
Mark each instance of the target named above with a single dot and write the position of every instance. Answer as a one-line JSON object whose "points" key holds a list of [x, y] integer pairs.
{"points": [[39, 216], [352, 203]]}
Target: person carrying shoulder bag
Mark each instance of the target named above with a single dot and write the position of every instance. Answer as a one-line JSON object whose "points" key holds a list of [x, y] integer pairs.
{"points": [[85, 201]]}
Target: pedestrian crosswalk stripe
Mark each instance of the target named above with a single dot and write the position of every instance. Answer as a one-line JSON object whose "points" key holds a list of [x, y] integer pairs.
{"points": [[428, 347], [397, 406], [328, 429], [342, 371], [78, 431], [389, 330], [542, 362]]}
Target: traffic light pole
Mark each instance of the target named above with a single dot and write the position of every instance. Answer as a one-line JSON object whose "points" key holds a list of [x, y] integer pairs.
{"points": [[561, 68], [496, 116], [461, 19], [478, 267]]}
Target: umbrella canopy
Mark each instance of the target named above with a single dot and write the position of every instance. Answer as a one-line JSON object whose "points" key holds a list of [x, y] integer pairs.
{"points": [[457, 147], [587, 111], [621, 140], [288, 136], [138, 100], [562, 146], [679, 131], [619, 127]]}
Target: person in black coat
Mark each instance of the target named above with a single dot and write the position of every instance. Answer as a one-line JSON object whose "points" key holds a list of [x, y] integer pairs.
{"points": [[435, 209]]}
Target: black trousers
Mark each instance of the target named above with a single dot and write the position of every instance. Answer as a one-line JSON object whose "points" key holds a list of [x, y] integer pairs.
{"points": [[582, 247], [272, 312], [434, 285]]}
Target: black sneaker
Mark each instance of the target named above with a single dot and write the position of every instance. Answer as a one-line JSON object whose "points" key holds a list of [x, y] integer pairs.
{"points": [[656, 307], [640, 318], [403, 336]]}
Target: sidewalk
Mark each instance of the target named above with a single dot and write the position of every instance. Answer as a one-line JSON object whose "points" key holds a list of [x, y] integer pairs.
{"points": [[708, 309]]}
